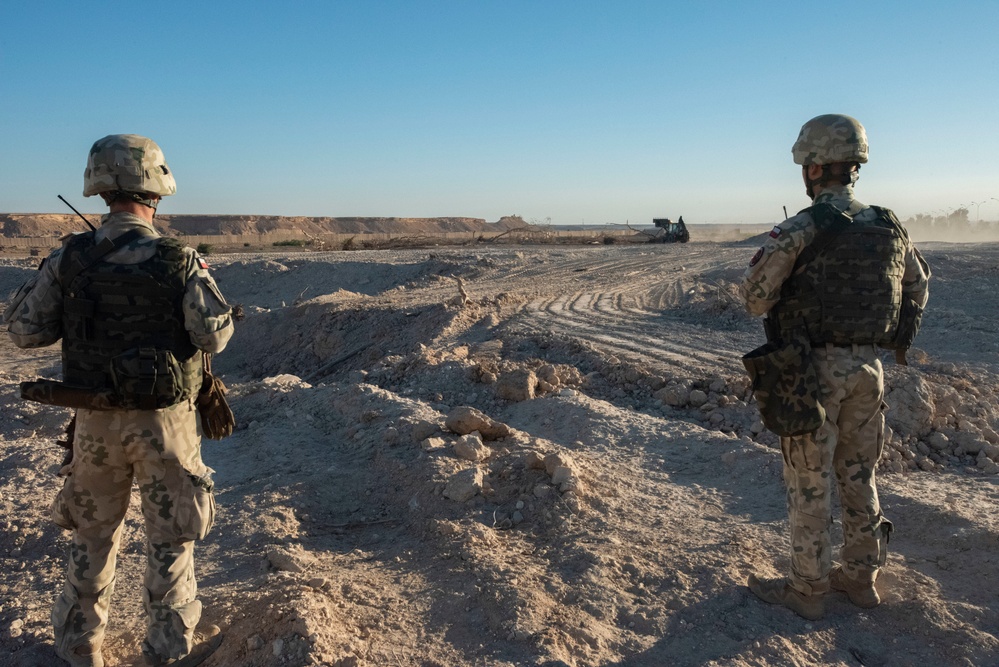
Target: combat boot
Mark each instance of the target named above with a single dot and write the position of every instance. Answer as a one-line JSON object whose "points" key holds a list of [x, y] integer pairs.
{"points": [[779, 591], [862, 594], [84, 655], [206, 641]]}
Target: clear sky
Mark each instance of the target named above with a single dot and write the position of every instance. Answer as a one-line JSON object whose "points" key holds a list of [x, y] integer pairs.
{"points": [[574, 111]]}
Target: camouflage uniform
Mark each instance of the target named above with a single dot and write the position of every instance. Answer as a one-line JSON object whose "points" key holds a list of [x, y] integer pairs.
{"points": [[849, 442], [159, 449]]}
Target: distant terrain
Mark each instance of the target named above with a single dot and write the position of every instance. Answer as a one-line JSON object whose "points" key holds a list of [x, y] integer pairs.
{"points": [[13, 225]]}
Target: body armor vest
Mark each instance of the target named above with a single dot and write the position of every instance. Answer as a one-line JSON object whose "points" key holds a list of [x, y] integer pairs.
{"points": [[123, 326], [850, 289]]}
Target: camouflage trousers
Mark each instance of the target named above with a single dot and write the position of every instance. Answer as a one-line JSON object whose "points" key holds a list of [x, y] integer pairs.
{"points": [[847, 446], [161, 451]]}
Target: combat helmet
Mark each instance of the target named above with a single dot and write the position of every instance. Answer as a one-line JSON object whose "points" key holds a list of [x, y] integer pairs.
{"points": [[830, 138], [128, 165]]}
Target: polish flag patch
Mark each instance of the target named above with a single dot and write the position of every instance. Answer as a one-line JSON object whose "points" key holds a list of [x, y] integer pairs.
{"points": [[775, 232], [756, 257], [202, 263]]}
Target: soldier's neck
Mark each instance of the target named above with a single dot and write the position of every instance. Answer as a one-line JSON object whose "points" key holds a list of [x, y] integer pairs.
{"points": [[135, 208]]}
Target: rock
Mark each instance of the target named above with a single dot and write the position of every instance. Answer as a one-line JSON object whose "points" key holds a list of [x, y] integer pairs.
{"points": [[464, 420], [289, 559], [517, 518], [471, 448], [568, 392], [673, 395], [560, 475], [970, 442], [937, 441], [464, 485], [488, 377], [430, 444], [757, 427], [423, 429], [255, 643], [549, 374], [317, 582], [912, 408], [556, 460], [542, 490], [534, 461], [717, 386], [698, 398], [518, 385]]}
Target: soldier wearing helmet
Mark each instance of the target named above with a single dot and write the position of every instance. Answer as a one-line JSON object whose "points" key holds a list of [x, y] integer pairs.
{"points": [[838, 280], [135, 311]]}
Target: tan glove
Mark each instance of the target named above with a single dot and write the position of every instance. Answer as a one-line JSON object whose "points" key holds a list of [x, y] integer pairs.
{"points": [[217, 420]]}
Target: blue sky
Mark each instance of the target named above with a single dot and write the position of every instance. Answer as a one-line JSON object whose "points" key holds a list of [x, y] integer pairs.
{"points": [[574, 111]]}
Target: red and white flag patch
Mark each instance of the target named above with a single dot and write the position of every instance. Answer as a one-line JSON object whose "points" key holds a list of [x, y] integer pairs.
{"points": [[756, 257], [202, 264], [775, 232]]}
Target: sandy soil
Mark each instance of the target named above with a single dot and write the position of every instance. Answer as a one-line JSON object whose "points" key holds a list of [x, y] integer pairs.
{"points": [[623, 490]]}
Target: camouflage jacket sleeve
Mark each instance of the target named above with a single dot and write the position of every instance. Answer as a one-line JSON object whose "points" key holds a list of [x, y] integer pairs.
{"points": [[772, 264], [34, 317], [207, 316], [916, 278]]}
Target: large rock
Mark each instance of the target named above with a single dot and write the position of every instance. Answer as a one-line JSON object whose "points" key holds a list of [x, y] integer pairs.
{"points": [[464, 420], [464, 485], [471, 448], [289, 559], [518, 385], [911, 403]]}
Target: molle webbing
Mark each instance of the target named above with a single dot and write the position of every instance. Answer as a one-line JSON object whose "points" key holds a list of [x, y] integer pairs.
{"points": [[113, 308], [848, 287]]}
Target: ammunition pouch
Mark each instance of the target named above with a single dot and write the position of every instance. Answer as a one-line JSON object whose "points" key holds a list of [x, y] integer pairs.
{"points": [[910, 316], [52, 392], [146, 378], [786, 386]]}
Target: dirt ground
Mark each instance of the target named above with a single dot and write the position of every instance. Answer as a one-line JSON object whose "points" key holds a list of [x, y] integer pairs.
{"points": [[620, 493]]}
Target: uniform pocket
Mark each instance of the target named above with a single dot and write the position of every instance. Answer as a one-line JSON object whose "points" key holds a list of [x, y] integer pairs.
{"points": [[196, 508], [61, 514]]}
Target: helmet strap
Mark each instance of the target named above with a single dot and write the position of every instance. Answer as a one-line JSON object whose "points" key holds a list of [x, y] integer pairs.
{"points": [[137, 197]]}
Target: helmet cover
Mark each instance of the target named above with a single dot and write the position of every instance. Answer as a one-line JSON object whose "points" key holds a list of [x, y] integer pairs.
{"points": [[127, 163], [830, 138]]}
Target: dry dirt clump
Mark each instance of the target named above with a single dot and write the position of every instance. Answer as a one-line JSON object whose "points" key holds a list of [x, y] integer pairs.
{"points": [[530, 456]]}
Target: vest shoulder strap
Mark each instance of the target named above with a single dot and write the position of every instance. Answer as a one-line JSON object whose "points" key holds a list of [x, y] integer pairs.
{"points": [[83, 259], [829, 221]]}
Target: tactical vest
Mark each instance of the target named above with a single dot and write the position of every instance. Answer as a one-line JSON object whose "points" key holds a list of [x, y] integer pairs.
{"points": [[848, 289], [123, 326]]}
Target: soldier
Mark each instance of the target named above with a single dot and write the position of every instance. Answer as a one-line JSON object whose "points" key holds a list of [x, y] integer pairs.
{"points": [[134, 311], [843, 278]]}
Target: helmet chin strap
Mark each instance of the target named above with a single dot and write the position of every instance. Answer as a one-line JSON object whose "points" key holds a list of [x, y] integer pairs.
{"points": [[848, 178], [134, 196]]}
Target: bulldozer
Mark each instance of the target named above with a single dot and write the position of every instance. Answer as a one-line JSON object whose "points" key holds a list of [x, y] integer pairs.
{"points": [[669, 231]]}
